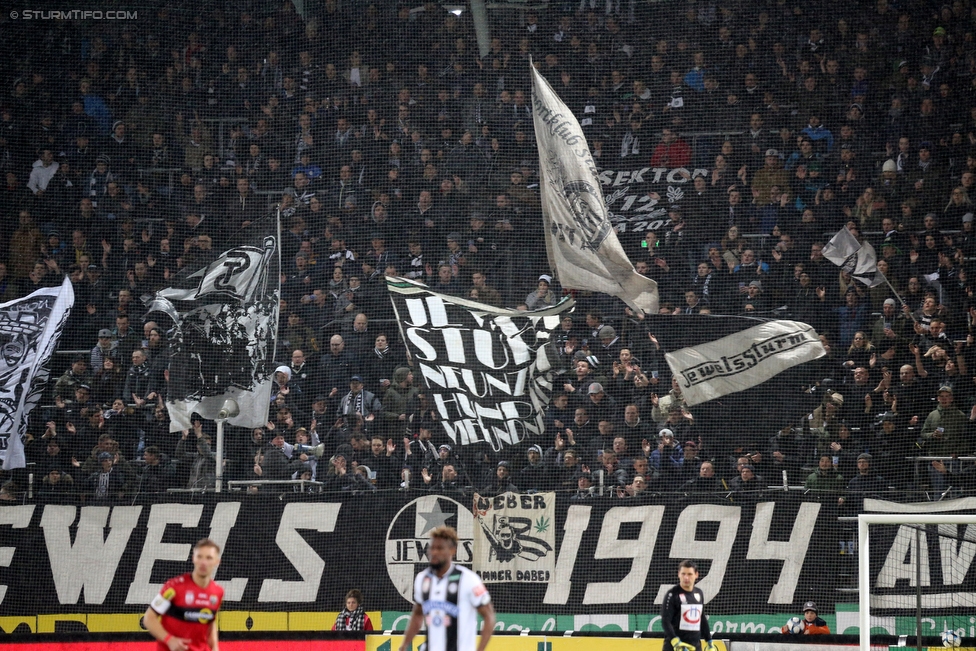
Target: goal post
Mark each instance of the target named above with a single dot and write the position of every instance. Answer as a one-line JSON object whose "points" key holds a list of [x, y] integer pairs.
{"points": [[864, 522]]}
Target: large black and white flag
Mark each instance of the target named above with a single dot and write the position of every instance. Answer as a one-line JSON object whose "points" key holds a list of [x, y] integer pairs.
{"points": [[742, 360], [224, 334], [857, 258], [486, 369], [581, 242], [29, 331]]}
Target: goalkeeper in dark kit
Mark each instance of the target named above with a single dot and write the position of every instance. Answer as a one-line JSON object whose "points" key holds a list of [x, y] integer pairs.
{"points": [[683, 614]]}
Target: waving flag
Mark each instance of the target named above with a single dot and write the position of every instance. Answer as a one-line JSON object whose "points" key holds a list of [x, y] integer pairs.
{"points": [[29, 331], [222, 343], [486, 369], [860, 260], [580, 240], [742, 360]]}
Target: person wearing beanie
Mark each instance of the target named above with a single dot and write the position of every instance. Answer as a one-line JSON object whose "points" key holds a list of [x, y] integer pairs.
{"points": [[810, 624], [534, 476], [501, 481], [396, 400], [543, 296], [864, 483]]}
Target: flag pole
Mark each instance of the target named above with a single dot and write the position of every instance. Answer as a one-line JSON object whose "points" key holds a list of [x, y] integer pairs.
{"points": [[219, 453], [898, 296]]}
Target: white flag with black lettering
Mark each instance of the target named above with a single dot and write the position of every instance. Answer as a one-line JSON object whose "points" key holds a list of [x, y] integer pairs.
{"points": [[222, 343], [29, 331], [581, 243], [742, 360], [486, 369]]}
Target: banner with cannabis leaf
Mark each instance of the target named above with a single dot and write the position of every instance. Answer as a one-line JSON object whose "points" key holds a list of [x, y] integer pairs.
{"points": [[516, 538]]}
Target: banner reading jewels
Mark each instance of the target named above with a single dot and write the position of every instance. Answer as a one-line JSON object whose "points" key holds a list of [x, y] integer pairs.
{"points": [[486, 369], [742, 360]]}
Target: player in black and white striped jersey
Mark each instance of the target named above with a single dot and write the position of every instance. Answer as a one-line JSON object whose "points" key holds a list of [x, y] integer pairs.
{"points": [[448, 598]]}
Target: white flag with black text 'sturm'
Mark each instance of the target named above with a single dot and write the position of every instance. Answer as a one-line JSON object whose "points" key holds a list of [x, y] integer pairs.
{"points": [[225, 325], [29, 331], [580, 240], [859, 260], [742, 360]]}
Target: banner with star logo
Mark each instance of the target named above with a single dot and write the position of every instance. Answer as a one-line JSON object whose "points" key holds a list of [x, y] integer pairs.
{"points": [[515, 538]]}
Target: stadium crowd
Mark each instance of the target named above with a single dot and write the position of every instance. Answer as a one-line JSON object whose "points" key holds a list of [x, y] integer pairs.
{"points": [[133, 151]]}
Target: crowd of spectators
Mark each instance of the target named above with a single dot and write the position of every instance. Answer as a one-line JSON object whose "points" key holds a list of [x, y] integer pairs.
{"points": [[135, 150]]}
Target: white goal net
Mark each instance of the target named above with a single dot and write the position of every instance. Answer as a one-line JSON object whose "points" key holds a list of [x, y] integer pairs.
{"points": [[915, 577]]}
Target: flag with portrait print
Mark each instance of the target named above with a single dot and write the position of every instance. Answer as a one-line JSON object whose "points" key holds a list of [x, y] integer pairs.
{"points": [[29, 331], [224, 331]]}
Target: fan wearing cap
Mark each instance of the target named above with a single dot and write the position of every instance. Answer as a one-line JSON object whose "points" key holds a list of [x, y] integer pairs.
{"points": [[600, 406], [77, 374], [543, 296], [754, 301], [107, 482], [811, 624], [56, 481], [667, 457], [501, 481], [396, 399], [770, 175], [533, 477], [944, 434], [584, 486], [888, 334], [609, 347], [106, 346], [359, 401], [45, 451]]}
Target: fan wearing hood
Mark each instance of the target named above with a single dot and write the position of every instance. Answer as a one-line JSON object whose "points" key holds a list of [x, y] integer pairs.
{"points": [[284, 392]]}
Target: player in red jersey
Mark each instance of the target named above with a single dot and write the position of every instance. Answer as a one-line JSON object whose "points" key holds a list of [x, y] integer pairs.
{"points": [[182, 617]]}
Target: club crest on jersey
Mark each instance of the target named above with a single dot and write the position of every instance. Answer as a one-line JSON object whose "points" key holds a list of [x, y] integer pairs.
{"points": [[441, 620], [697, 597], [452, 588], [189, 598], [213, 600], [426, 584]]}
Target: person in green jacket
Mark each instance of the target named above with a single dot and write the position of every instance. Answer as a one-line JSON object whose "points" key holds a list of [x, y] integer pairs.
{"points": [[944, 429], [944, 433], [825, 477]]}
